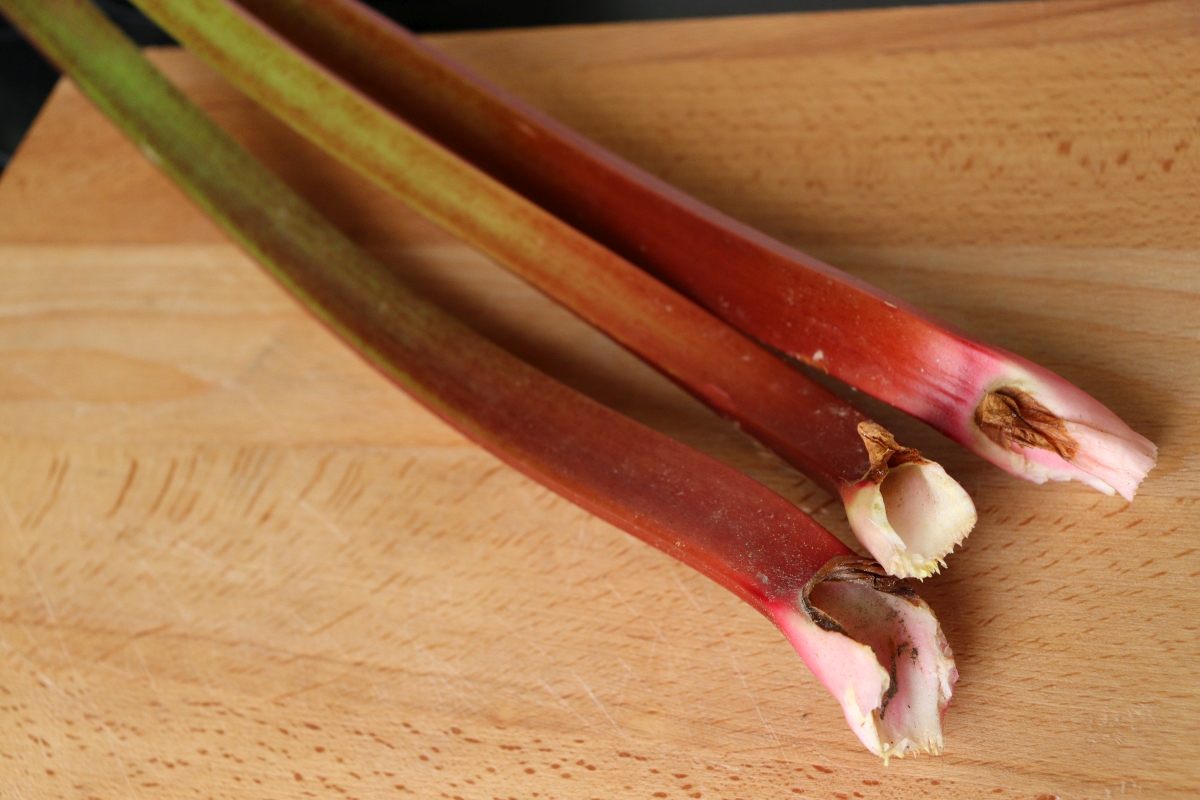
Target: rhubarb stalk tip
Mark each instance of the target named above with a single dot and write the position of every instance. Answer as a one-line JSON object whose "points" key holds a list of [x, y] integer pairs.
{"points": [[878, 648], [906, 510], [1050, 430]]}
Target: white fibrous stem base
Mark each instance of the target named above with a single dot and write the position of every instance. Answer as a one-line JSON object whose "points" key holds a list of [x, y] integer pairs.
{"points": [[906, 511], [1121, 462], [880, 652]]}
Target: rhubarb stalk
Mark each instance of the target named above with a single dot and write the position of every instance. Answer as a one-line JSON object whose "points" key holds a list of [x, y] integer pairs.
{"points": [[1021, 417], [905, 510], [858, 630]]}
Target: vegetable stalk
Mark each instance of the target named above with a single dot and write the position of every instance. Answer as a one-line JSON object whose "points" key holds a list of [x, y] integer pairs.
{"points": [[809, 426], [1016, 414], [859, 631]]}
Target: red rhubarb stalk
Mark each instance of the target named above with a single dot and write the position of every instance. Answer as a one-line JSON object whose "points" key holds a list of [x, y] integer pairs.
{"points": [[866, 636], [1021, 417], [809, 426]]}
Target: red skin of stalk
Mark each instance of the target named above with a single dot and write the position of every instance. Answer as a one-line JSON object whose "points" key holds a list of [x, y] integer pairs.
{"points": [[804, 423], [724, 525], [865, 337], [709, 516]]}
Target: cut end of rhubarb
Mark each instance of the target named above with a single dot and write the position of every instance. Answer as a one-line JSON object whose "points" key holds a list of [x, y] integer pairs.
{"points": [[879, 650], [906, 510], [1064, 436]]}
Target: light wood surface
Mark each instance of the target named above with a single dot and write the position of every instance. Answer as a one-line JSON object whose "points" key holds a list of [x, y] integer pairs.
{"points": [[235, 562]]}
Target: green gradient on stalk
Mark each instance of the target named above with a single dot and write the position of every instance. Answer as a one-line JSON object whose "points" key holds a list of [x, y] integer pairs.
{"points": [[436, 183]]}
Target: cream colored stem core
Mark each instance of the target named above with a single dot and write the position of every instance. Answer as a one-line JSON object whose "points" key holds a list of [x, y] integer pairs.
{"points": [[907, 511]]}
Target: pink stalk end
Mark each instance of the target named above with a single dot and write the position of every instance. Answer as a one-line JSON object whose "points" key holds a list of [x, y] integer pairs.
{"points": [[906, 510], [1038, 426], [879, 650]]}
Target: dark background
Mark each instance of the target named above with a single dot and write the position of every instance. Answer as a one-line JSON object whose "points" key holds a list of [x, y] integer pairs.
{"points": [[26, 79]]}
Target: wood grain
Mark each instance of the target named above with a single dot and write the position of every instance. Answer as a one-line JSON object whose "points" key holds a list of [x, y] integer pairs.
{"points": [[235, 562]]}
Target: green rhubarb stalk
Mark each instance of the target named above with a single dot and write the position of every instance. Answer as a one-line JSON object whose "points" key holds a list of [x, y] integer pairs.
{"points": [[813, 429], [859, 630]]}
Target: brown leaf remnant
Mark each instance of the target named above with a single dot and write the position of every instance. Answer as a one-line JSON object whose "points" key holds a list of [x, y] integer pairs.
{"points": [[1009, 415], [851, 569], [884, 451]]}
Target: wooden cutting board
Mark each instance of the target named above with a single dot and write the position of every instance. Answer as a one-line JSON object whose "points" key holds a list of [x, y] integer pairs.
{"points": [[235, 562]]}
